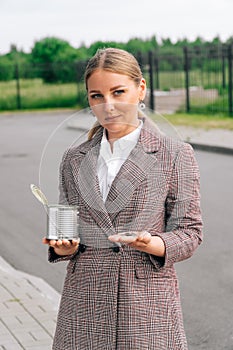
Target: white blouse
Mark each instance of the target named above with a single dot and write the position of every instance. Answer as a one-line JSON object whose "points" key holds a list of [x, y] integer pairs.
{"points": [[110, 162]]}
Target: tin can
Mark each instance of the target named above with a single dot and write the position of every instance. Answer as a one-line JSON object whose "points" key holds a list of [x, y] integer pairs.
{"points": [[62, 222]]}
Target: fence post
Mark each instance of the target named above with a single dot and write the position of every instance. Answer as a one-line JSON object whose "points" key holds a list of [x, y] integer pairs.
{"points": [[157, 71], [151, 81], [140, 60], [230, 80], [186, 72], [18, 97], [223, 68]]}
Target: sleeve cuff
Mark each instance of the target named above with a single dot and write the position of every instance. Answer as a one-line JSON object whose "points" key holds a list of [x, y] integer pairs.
{"points": [[53, 257]]}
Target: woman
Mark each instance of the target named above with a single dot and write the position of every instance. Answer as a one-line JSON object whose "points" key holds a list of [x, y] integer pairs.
{"points": [[138, 197]]}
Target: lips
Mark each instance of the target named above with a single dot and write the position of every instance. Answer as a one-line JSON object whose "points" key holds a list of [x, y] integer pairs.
{"points": [[112, 117]]}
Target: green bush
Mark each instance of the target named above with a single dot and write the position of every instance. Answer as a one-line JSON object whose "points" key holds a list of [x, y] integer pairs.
{"points": [[7, 69]]}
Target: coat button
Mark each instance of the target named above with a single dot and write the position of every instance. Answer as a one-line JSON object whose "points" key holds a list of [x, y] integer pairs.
{"points": [[82, 248], [116, 249]]}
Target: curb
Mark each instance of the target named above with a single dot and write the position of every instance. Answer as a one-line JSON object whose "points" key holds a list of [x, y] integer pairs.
{"points": [[195, 145], [213, 149]]}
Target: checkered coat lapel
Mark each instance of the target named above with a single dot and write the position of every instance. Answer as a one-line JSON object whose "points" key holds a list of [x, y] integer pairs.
{"points": [[86, 181], [132, 173]]}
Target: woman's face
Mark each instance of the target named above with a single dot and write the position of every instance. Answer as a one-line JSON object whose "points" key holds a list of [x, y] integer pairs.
{"points": [[114, 99]]}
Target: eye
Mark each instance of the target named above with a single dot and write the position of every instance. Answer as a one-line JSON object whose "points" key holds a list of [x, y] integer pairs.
{"points": [[96, 96], [119, 92]]}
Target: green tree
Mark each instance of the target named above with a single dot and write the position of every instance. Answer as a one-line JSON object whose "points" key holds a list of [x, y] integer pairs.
{"points": [[103, 44], [136, 45], [49, 54], [7, 69], [9, 61]]}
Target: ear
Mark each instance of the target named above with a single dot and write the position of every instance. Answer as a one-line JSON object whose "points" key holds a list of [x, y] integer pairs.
{"points": [[142, 89]]}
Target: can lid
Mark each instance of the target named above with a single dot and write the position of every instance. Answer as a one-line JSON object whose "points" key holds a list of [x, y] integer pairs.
{"points": [[63, 206]]}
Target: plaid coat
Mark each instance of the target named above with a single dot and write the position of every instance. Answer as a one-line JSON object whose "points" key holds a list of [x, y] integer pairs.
{"points": [[118, 298]]}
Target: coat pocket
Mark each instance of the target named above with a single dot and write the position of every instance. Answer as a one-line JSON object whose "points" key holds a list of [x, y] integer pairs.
{"points": [[145, 269]]}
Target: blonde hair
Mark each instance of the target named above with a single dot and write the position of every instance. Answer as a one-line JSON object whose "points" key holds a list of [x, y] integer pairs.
{"points": [[115, 61]]}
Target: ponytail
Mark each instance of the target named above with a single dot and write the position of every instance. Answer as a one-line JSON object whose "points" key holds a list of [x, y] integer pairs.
{"points": [[91, 133]]}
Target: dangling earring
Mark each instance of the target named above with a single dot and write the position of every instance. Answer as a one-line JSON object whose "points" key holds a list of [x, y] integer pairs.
{"points": [[142, 105]]}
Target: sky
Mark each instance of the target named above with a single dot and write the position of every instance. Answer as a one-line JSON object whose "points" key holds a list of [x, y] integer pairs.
{"points": [[23, 22]]}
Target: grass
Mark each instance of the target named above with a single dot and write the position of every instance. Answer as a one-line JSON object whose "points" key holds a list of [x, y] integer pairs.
{"points": [[214, 121], [176, 79], [36, 94]]}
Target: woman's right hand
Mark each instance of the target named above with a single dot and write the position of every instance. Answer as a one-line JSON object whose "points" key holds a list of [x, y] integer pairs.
{"points": [[63, 247]]}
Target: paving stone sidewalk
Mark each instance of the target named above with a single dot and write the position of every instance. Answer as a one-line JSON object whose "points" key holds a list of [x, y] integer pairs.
{"points": [[28, 310]]}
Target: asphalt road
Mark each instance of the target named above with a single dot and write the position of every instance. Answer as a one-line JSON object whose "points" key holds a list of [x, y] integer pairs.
{"points": [[31, 146]]}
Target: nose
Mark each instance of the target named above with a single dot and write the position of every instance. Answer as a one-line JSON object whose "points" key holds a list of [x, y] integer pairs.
{"points": [[108, 105]]}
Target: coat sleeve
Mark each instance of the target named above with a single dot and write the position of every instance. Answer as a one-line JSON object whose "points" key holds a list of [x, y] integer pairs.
{"points": [[183, 222], [64, 175]]}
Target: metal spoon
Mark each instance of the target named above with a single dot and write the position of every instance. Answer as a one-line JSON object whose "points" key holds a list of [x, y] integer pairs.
{"points": [[39, 194]]}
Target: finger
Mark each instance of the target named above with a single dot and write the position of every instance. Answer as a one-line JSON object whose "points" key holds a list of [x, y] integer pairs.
{"points": [[45, 240], [52, 242], [128, 234], [114, 238], [66, 242], [127, 239], [144, 237], [124, 238], [58, 243], [75, 242]]}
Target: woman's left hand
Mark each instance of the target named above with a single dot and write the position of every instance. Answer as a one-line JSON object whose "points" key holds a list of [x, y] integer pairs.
{"points": [[137, 240], [141, 240]]}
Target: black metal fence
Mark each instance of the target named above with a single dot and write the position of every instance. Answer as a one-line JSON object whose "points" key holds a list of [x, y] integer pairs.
{"points": [[190, 79], [47, 85], [194, 80]]}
